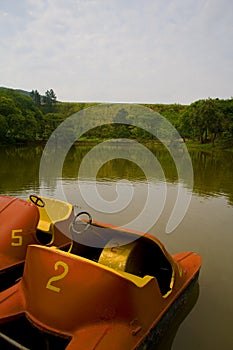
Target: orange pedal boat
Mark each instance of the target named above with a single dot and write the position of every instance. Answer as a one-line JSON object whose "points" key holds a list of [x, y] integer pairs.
{"points": [[38, 220], [113, 290]]}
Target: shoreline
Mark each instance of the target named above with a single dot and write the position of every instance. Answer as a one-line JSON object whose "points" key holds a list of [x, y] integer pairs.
{"points": [[191, 145]]}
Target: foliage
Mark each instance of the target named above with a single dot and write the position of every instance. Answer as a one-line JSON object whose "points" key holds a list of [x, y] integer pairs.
{"points": [[49, 101], [34, 117], [20, 118], [207, 120], [36, 97]]}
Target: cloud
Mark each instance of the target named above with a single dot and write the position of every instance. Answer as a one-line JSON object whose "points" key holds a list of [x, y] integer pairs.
{"points": [[137, 51]]}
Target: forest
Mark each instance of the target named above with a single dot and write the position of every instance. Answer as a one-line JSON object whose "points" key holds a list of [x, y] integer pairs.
{"points": [[32, 117]]}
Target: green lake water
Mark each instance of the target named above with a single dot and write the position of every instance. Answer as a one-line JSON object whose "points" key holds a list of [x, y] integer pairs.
{"points": [[206, 228]]}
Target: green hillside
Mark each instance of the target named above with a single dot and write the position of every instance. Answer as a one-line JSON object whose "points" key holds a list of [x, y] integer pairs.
{"points": [[31, 117]]}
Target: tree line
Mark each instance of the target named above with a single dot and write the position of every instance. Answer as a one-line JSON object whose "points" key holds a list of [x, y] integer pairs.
{"points": [[31, 117], [34, 117], [48, 100]]}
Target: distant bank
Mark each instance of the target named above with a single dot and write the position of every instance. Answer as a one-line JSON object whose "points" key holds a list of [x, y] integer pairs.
{"points": [[31, 117]]}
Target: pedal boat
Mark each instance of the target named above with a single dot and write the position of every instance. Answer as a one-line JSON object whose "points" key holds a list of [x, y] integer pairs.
{"points": [[92, 297], [38, 220]]}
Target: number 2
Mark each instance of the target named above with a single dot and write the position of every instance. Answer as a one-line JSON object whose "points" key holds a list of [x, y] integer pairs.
{"points": [[58, 277]]}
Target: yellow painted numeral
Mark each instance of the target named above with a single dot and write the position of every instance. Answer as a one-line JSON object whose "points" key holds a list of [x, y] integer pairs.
{"points": [[58, 277], [18, 238]]}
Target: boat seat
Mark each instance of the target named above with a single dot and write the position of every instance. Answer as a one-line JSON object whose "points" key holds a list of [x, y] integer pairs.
{"points": [[122, 257], [44, 232], [44, 226], [90, 243], [141, 258], [111, 247]]}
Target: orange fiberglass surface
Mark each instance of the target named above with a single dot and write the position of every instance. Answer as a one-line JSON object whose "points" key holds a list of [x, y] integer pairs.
{"points": [[111, 290], [25, 222]]}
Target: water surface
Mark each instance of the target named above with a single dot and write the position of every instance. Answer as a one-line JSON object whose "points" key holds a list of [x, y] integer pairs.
{"points": [[207, 227]]}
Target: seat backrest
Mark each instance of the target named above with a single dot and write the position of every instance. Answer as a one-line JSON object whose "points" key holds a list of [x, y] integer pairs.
{"points": [[64, 292], [123, 257], [141, 258]]}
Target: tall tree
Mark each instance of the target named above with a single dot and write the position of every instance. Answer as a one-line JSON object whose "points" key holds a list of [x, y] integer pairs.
{"points": [[36, 97], [3, 127], [206, 119], [214, 116], [227, 109], [49, 100]]}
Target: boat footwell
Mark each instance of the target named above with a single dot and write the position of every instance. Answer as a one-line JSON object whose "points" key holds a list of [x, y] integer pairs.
{"points": [[12, 337], [22, 334]]}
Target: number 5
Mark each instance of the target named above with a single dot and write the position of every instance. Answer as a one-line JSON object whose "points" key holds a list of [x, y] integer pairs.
{"points": [[18, 237]]}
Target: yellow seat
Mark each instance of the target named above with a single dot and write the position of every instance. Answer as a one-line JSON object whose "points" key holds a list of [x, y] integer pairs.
{"points": [[44, 226], [54, 211]]}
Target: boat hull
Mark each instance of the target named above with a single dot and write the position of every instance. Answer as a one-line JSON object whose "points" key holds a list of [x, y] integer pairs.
{"points": [[124, 297], [22, 224], [169, 323]]}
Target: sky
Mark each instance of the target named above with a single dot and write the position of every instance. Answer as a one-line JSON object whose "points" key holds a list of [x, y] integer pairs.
{"points": [[142, 51]]}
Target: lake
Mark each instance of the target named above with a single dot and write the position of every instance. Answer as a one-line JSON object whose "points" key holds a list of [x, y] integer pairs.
{"points": [[132, 191]]}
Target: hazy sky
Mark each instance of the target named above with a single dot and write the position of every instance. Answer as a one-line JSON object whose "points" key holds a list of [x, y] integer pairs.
{"points": [[161, 51]]}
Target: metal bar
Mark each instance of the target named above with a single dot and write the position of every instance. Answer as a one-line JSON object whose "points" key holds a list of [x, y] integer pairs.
{"points": [[13, 342]]}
